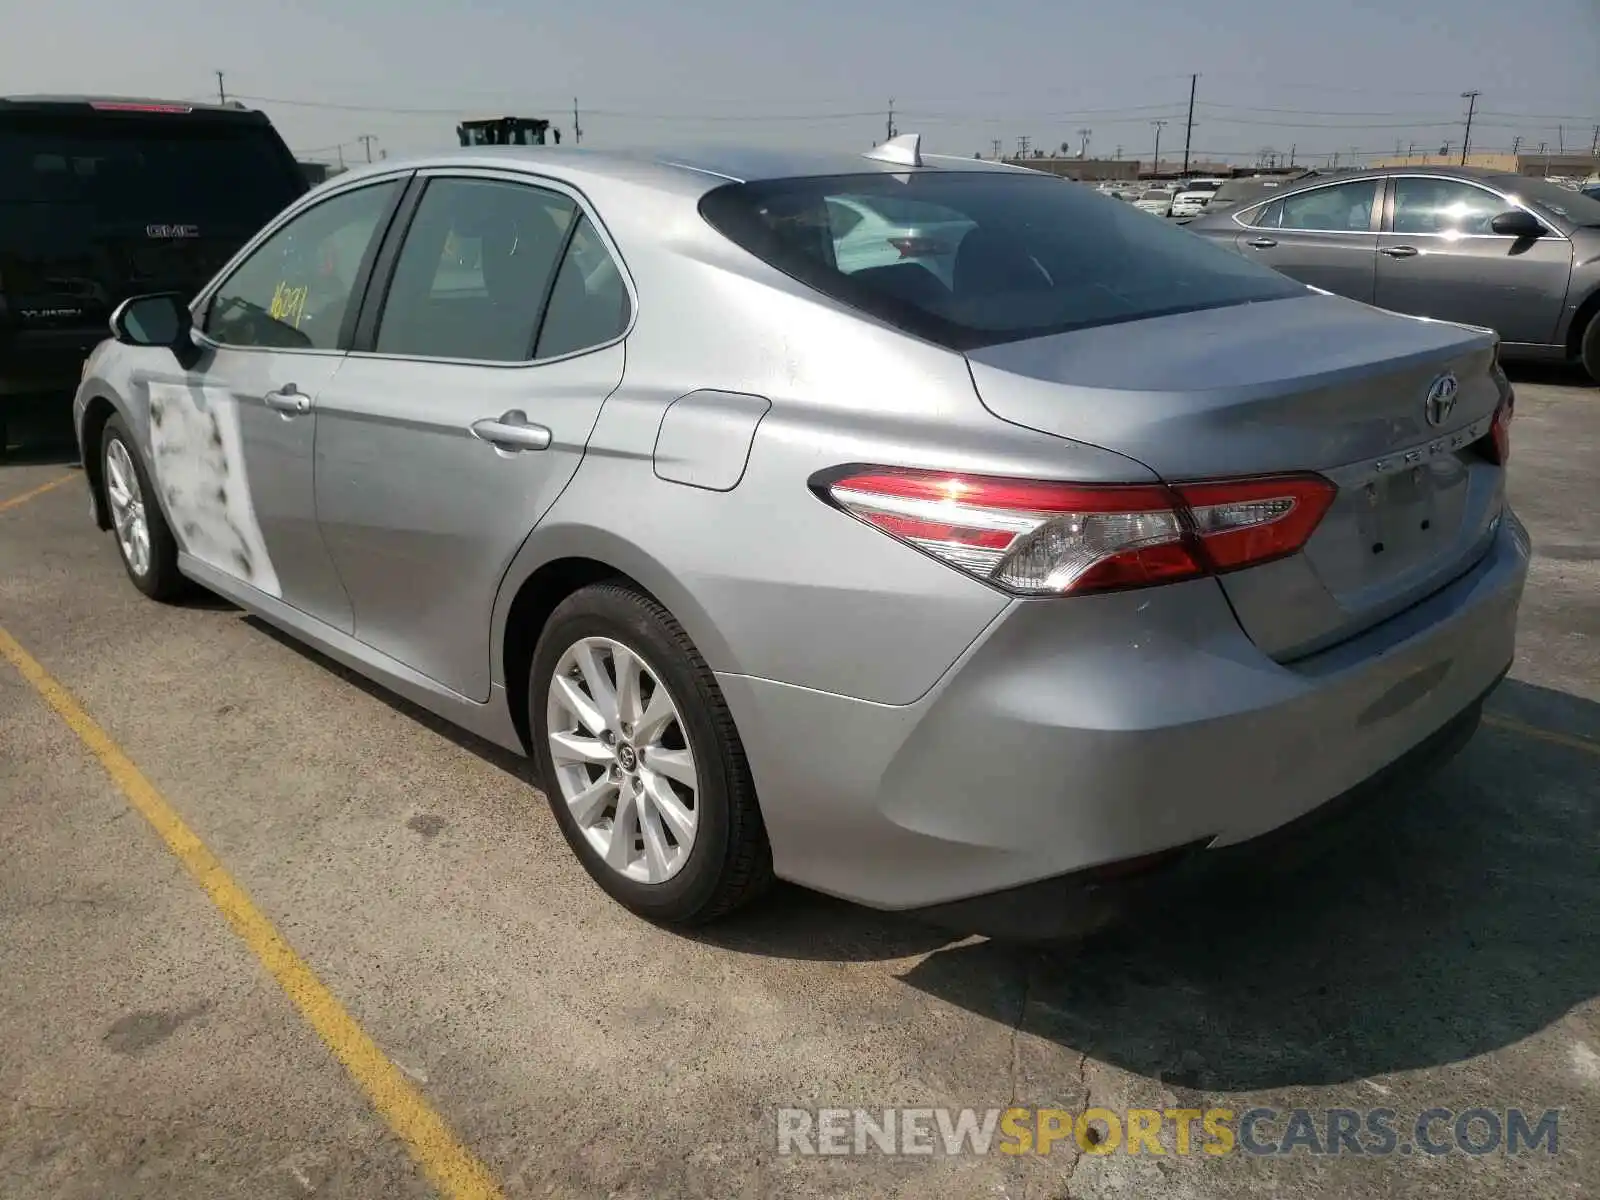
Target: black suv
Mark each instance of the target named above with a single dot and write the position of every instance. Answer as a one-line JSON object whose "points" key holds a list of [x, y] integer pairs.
{"points": [[101, 199]]}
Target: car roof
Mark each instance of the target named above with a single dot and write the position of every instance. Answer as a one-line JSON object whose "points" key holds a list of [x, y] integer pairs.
{"points": [[674, 167], [131, 104], [1480, 174]]}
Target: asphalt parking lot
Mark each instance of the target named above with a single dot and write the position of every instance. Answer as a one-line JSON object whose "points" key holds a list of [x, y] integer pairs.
{"points": [[479, 1016]]}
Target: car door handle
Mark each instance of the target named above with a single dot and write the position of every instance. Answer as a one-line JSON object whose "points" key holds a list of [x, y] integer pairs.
{"points": [[1400, 251], [1261, 243], [289, 400], [512, 431]]}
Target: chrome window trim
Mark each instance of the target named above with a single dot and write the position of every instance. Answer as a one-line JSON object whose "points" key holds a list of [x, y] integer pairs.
{"points": [[1509, 201], [1377, 186], [312, 199], [585, 207]]}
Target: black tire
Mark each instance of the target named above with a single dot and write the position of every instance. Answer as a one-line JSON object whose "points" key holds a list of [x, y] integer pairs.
{"points": [[1589, 348], [160, 580], [730, 862]]}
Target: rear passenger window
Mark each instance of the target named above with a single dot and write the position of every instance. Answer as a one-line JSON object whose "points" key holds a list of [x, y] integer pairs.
{"points": [[1339, 208], [590, 304], [1265, 216], [474, 271]]}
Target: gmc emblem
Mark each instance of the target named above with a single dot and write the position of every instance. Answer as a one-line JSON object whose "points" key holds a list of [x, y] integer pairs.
{"points": [[172, 231]]}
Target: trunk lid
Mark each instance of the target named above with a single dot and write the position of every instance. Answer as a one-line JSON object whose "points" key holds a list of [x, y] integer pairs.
{"points": [[1313, 383]]}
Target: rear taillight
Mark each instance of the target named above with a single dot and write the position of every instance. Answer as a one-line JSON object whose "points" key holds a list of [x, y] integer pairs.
{"points": [[1500, 430], [918, 247], [1037, 538]]}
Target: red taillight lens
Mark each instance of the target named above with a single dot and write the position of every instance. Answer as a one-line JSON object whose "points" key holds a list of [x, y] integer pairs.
{"points": [[918, 247], [1038, 538], [1246, 522], [1500, 429]]}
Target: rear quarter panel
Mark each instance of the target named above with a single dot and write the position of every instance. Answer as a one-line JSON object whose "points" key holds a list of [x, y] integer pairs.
{"points": [[766, 578]]}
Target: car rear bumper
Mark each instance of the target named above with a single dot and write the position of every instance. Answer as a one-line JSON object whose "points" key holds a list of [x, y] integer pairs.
{"points": [[1085, 732], [1080, 902]]}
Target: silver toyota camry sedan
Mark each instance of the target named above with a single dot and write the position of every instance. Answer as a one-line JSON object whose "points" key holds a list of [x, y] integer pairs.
{"points": [[984, 580]]}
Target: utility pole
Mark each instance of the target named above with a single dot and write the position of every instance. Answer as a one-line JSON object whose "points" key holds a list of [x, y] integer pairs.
{"points": [[1542, 146], [1188, 131], [366, 139], [1155, 167], [1595, 149], [1561, 139], [890, 124], [1119, 153], [222, 93], [1516, 144], [340, 148], [1083, 151], [1293, 147], [995, 142], [1022, 146], [1472, 104], [577, 130], [1411, 150]]}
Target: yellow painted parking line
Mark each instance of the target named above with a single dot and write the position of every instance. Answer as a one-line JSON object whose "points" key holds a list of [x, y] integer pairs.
{"points": [[1570, 741], [452, 1168], [18, 501]]}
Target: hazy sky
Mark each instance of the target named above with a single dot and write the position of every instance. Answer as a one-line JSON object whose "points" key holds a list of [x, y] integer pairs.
{"points": [[1320, 77]]}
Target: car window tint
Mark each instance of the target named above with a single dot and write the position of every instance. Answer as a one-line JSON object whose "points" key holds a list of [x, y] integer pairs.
{"points": [[590, 303], [842, 218], [1443, 206], [474, 271], [1342, 207], [1264, 216], [894, 230], [1016, 254], [294, 290]]}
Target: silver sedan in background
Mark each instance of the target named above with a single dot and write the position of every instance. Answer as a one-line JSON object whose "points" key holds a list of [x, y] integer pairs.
{"points": [[1520, 256], [979, 596]]}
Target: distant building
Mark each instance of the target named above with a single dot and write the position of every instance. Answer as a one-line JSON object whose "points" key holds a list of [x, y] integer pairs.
{"points": [[1572, 166], [1092, 169]]}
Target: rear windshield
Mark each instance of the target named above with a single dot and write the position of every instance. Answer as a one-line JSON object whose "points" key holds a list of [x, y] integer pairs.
{"points": [[1026, 255], [208, 174]]}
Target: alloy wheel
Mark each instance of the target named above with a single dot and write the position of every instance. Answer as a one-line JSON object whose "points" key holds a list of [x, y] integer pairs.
{"points": [[127, 507], [622, 759]]}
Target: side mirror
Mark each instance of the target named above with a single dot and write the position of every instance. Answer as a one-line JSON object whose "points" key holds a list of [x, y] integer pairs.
{"points": [[1518, 223], [161, 319]]}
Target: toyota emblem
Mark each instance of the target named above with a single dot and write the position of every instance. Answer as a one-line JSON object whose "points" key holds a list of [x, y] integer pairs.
{"points": [[1441, 401]]}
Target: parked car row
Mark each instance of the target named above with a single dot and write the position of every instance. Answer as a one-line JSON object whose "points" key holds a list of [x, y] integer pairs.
{"points": [[918, 529]]}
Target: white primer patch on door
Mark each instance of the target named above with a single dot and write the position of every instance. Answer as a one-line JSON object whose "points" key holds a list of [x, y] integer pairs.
{"points": [[199, 467]]}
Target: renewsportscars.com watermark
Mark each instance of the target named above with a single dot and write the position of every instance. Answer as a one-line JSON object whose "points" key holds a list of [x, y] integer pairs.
{"points": [[1179, 1131]]}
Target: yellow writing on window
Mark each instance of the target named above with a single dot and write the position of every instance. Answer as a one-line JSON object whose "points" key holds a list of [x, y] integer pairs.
{"points": [[288, 304]]}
